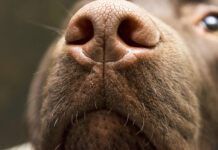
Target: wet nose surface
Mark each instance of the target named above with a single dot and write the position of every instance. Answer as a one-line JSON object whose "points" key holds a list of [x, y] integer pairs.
{"points": [[110, 31]]}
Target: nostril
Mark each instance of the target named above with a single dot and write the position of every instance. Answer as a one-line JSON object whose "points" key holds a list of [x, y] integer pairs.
{"points": [[125, 32], [136, 33], [80, 32]]}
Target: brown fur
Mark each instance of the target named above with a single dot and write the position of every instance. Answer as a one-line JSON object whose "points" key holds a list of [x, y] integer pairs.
{"points": [[170, 96]]}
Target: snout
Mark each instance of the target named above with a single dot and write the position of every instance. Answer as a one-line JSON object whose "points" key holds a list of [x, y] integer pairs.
{"points": [[135, 93], [111, 32]]}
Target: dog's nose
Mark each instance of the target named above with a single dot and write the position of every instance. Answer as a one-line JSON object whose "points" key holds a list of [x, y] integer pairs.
{"points": [[106, 31]]}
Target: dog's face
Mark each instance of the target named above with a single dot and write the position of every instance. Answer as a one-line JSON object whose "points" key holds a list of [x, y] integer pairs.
{"points": [[130, 75]]}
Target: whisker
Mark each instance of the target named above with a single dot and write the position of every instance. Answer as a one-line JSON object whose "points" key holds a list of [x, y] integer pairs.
{"points": [[84, 115], [143, 106], [56, 121], [76, 116], [71, 119], [48, 27], [58, 146], [152, 134], [147, 143], [133, 123], [109, 111], [96, 105], [126, 120], [63, 7], [142, 128]]}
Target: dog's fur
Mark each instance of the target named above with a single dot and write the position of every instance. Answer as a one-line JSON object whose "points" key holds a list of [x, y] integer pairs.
{"points": [[168, 100]]}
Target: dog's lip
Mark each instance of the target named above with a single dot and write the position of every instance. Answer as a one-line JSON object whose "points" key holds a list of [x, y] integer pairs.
{"points": [[79, 116], [128, 123]]}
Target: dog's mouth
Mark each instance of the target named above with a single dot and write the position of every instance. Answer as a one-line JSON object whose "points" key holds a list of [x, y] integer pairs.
{"points": [[105, 130], [112, 121], [145, 113]]}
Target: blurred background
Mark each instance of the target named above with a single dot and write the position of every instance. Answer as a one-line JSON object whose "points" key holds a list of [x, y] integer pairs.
{"points": [[23, 40]]}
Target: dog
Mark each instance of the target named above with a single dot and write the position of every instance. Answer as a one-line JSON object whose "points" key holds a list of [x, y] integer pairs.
{"points": [[138, 74]]}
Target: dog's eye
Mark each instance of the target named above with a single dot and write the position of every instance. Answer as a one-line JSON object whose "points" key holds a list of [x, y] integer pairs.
{"points": [[202, 18], [210, 23]]}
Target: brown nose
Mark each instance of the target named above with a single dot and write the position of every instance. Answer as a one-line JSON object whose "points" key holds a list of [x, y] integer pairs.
{"points": [[107, 31]]}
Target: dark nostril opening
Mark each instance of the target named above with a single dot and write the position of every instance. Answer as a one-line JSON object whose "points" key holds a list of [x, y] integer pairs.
{"points": [[80, 32], [125, 32], [138, 33]]}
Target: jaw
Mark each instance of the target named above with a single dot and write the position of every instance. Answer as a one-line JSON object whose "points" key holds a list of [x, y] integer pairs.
{"points": [[105, 130], [162, 120]]}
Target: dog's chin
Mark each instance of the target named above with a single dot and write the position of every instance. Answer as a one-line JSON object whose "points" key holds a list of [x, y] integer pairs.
{"points": [[105, 130]]}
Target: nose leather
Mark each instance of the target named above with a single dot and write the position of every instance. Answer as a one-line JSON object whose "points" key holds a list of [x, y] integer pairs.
{"points": [[107, 31]]}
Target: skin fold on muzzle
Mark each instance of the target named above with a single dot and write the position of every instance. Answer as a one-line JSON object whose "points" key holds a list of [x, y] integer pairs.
{"points": [[129, 75]]}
